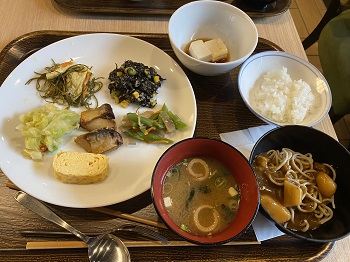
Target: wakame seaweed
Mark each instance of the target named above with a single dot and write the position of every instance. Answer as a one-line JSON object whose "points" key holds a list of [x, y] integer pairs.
{"points": [[190, 197], [204, 189], [227, 212]]}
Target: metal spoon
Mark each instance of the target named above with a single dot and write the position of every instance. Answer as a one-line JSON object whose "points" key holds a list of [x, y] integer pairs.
{"points": [[105, 247]]}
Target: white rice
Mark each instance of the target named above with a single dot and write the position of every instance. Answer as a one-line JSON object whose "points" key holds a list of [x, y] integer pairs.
{"points": [[283, 100]]}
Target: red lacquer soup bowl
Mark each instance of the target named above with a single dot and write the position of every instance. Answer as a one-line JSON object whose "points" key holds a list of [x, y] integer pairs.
{"points": [[233, 162]]}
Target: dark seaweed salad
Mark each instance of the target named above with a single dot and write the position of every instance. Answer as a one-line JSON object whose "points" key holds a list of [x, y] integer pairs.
{"points": [[134, 82]]}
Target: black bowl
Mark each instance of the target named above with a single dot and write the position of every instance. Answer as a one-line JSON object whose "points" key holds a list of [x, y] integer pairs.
{"points": [[324, 149]]}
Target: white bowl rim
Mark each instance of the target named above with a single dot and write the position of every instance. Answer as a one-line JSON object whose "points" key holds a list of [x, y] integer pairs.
{"points": [[251, 22], [298, 59]]}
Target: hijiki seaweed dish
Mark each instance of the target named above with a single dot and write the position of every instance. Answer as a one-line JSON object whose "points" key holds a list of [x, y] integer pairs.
{"points": [[134, 82]]}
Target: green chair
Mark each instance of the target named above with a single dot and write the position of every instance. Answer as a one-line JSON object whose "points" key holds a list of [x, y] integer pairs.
{"points": [[333, 9], [334, 54]]}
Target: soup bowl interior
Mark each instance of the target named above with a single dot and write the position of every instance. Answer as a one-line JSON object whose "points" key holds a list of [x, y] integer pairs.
{"points": [[324, 149], [233, 161]]}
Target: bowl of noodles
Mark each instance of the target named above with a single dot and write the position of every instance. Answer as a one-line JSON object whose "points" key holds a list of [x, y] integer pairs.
{"points": [[205, 191], [304, 182]]}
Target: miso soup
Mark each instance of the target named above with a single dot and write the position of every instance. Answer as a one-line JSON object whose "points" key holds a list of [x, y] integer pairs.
{"points": [[201, 196]]}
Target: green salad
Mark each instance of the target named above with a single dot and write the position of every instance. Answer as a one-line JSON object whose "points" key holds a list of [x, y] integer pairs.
{"points": [[44, 127]]}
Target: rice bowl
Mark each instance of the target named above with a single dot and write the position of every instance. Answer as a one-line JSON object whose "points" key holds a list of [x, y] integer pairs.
{"points": [[299, 94], [282, 99]]}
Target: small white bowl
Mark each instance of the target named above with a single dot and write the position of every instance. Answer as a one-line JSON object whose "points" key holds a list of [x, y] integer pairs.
{"points": [[251, 74], [209, 20]]}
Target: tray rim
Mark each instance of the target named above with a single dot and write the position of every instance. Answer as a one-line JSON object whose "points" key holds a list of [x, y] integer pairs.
{"points": [[161, 12], [326, 247], [4, 53]]}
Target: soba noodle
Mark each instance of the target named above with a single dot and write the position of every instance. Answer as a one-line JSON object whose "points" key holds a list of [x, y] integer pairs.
{"points": [[275, 167]]}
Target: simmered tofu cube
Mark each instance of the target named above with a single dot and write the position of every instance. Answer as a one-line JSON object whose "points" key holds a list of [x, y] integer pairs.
{"points": [[217, 48], [199, 51]]}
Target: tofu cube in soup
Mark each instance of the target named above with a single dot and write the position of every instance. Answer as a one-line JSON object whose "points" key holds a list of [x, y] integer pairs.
{"points": [[199, 51], [217, 49]]}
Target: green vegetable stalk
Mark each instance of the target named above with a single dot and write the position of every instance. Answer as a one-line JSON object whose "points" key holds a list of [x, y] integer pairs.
{"points": [[148, 138], [150, 129]]}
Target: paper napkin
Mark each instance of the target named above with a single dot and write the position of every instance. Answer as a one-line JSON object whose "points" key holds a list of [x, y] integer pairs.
{"points": [[244, 140]]}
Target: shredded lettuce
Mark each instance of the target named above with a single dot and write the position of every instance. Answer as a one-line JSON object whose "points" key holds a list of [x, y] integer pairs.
{"points": [[44, 127]]}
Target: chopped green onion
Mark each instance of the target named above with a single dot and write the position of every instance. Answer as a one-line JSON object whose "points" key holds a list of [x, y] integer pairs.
{"points": [[184, 227]]}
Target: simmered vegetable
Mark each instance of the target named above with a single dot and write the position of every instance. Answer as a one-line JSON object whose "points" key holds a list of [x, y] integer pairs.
{"points": [[152, 127], [325, 184], [68, 84], [134, 82], [292, 194], [275, 209]]}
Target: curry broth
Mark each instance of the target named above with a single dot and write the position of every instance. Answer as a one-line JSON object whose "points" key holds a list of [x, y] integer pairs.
{"points": [[268, 188]]}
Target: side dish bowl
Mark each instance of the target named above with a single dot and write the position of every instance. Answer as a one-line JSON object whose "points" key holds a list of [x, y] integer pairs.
{"points": [[250, 79], [324, 149], [236, 165], [210, 20]]}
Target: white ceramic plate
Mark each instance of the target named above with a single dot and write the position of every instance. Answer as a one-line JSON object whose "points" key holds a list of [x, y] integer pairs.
{"points": [[130, 166], [252, 70]]}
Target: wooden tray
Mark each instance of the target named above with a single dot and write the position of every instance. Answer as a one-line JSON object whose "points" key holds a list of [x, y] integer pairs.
{"points": [[220, 109], [159, 7]]}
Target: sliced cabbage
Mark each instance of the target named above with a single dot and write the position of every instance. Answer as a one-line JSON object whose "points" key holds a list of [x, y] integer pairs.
{"points": [[44, 127]]}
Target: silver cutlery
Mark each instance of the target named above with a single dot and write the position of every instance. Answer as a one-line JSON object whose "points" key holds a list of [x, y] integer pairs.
{"points": [[105, 247], [144, 231]]}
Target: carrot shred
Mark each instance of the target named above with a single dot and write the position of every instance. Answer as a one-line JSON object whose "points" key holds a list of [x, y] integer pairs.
{"points": [[66, 63]]}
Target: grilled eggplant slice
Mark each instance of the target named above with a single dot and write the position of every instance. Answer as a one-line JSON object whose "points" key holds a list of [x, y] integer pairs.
{"points": [[98, 118], [100, 141]]}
